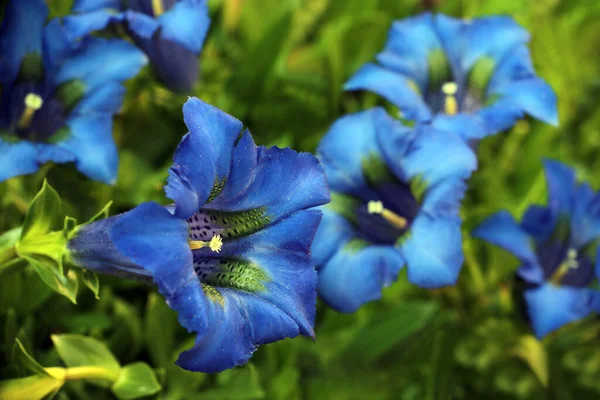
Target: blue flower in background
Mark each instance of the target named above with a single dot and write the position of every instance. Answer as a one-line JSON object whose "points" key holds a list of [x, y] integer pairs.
{"points": [[474, 77], [55, 103], [231, 256], [171, 32], [556, 245], [395, 199]]}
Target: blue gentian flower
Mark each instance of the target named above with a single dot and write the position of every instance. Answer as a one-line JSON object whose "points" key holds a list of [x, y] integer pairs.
{"points": [[55, 103], [474, 77], [557, 246], [231, 256], [395, 201], [171, 32]]}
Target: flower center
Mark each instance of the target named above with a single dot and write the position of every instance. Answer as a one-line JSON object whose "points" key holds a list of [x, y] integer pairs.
{"points": [[158, 7], [33, 102], [376, 207], [570, 263], [450, 103], [215, 244]]}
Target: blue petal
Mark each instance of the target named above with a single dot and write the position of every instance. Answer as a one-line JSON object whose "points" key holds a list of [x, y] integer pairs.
{"points": [[229, 339], [352, 278], [442, 160], [398, 89], [20, 34], [333, 233], [432, 154], [538, 222], [186, 23], [283, 251], [561, 186], [283, 180], [515, 79], [468, 41], [80, 6], [585, 218], [78, 26], [433, 251], [532, 96], [56, 45], [202, 157], [500, 116], [18, 158], [90, 140], [349, 141], [120, 60], [409, 44], [467, 126], [286, 308], [105, 99], [550, 307], [502, 230], [149, 236], [176, 66]]}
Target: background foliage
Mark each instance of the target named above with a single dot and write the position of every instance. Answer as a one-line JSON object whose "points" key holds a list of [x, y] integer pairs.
{"points": [[279, 66]]}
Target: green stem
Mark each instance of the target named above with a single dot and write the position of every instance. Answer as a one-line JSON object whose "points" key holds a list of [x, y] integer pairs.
{"points": [[473, 266], [8, 255], [77, 373]]}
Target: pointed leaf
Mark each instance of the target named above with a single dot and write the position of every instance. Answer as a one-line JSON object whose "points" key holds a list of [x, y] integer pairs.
{"points": [[136, 380], [42, 213], [90, 279], [24, 359], [64, 285], [532, 351], [398, 324], [34, 387], [103, 213], [79, 351]]}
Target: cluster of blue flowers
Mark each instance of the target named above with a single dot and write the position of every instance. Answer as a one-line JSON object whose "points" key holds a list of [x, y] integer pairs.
{"points": [[234, 254]]}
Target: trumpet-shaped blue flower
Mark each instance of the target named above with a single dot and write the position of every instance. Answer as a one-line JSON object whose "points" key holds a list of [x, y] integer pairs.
{"points": [[395, 200], [231, 256], [557, 246], [474, 77], [55, 103], [170, 32]]}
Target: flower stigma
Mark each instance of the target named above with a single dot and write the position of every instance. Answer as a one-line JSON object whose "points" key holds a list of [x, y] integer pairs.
{"points": [[376, 207], [158, 8], [33, 102], [450, 103], [215, 244]]}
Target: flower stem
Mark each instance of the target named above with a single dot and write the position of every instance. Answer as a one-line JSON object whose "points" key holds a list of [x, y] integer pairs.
{"points": [[473, 266], [77, 373], [8, 255]]}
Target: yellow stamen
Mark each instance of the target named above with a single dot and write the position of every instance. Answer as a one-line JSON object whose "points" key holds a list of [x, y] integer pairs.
{"points": [[450, 103], [157, 7], [568, 264], [215, 244], [33, 102], [376, 207]]}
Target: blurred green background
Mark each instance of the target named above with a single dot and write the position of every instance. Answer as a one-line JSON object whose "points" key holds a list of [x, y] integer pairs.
{"points": [[278, 65]]}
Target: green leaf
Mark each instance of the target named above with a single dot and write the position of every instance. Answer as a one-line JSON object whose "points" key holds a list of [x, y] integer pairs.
{"points": [[160, 324], [69, 225], [389, 330], [532, 351], [103, 213], [42, 213], [136, 380], [90, 279], [80, 351], [64, 285], [235, 384], [34, 387], [24, 359]]}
